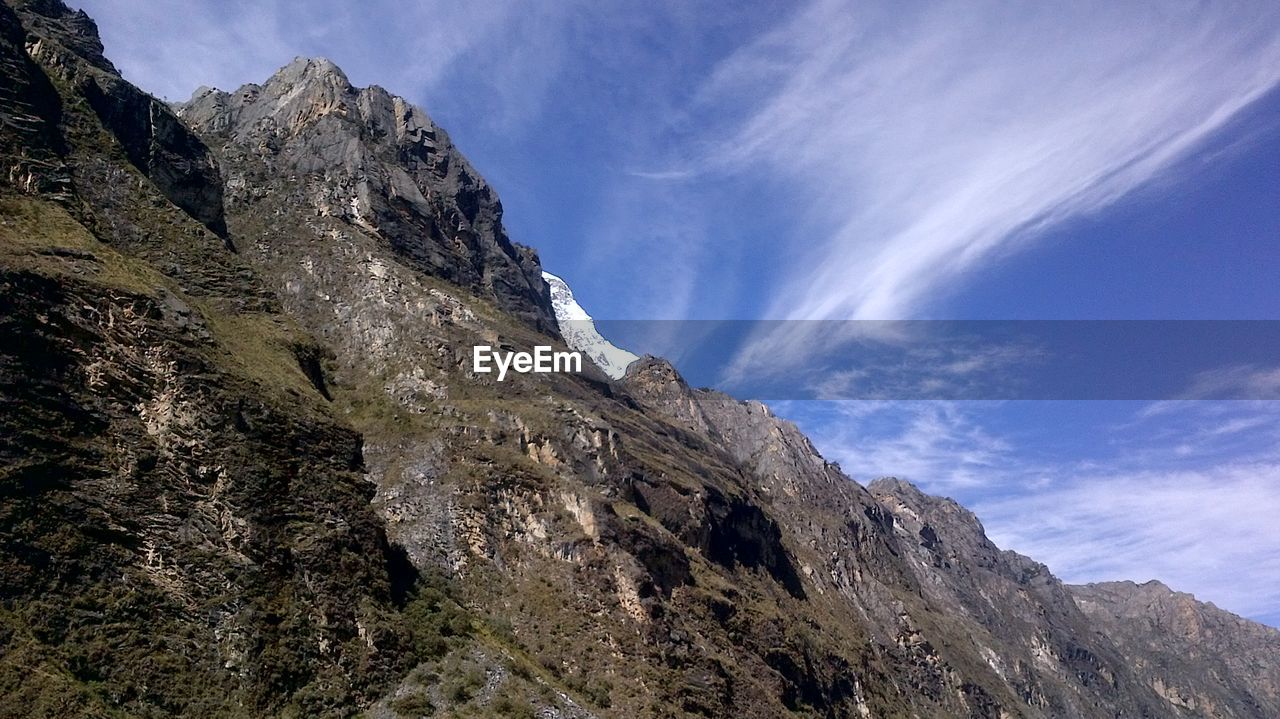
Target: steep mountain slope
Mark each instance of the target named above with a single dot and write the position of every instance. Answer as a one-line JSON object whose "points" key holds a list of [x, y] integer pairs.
{"points": [[246, 469], [185, 527]]}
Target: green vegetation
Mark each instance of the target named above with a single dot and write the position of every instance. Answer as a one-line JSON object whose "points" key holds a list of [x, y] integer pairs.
{"points": [[434, 622], [512, 707], [42, 236], [261, 346], [413, 704]]}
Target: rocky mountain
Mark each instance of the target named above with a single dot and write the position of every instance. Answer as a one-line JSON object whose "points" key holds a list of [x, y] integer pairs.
{"points": [[246, 469], [1193, 649], [308, 143]]}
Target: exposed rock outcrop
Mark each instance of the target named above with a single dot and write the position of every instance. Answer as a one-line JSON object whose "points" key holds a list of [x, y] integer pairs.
{"points": [[31, 145], [66, 44], [307, 143], [1203, 660]]}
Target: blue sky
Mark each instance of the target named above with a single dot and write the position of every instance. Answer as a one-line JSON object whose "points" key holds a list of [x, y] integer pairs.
{"points": [[875, 161]]}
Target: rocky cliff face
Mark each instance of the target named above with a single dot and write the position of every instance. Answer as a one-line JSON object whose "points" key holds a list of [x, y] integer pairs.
{"points": [[245, 468], [186, 528], [306, 146]]}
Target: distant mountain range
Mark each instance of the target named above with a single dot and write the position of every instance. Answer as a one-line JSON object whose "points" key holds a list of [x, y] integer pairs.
{"points": [[246, 469]]}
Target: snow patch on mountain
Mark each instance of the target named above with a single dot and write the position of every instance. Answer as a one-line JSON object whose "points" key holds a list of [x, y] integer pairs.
{"points": [[580, 332]]}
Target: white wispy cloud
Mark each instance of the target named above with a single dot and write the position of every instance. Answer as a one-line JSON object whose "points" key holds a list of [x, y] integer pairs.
{"points": [[1207, 531], [1244, 381], [170, 47], [942, 446], [925, 140], [877, 359], [1246, 431]]}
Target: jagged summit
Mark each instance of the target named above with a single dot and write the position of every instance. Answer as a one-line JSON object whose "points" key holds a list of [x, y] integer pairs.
{"points": [[304, 78], [314, 66], [307, 144], [47, 41]]}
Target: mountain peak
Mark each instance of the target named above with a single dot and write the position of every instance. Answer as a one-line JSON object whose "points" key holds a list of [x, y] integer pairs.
{"points": [[312, 71], [319, 64], [313, 146]]}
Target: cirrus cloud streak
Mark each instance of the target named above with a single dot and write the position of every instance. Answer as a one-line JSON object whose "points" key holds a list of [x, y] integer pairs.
{"points": [[925, 141]]}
